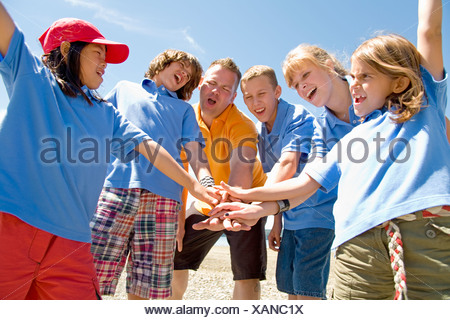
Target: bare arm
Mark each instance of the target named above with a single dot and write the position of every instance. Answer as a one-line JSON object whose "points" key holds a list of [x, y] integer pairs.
{"points": [[296, 190], [241, 167], [284, 169], [164, 162], [6, 30], [429, 37], [249, 214], [301, 188], [197, 159]]}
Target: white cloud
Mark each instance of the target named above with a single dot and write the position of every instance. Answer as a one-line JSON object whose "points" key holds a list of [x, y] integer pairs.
{"points": [[192, 42], [131, 24]]}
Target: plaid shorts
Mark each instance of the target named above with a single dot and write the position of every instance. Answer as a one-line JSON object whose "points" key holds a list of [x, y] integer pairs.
{"points": [[140, 226]]}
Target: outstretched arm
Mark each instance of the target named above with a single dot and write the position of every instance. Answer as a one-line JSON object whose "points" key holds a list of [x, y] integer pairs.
{"points": [[249, 214], [429, 37], [197, 159], [301, 187], [164, 162], [6, 30]]}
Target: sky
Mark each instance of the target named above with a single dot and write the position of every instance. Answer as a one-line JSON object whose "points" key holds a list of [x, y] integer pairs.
{"points": [[251, 32]]}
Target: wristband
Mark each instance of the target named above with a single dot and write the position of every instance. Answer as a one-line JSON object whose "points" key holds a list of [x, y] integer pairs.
{"points": [[283, 205], [207, 181]]}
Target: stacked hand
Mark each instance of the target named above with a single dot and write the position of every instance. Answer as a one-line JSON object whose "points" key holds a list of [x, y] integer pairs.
{"points": [[232, 216]]}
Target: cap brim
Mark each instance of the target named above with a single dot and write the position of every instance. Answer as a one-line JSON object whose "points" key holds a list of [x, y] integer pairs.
{"points": [[115, 52]]}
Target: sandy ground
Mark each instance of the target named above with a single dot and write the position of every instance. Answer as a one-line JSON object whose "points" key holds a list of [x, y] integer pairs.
{"points": [[213, 281]]}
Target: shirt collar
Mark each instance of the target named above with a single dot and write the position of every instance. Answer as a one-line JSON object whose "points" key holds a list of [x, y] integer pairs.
{"points": [[88, 92], [222, 117], [334, 121], [150, 86], [375, 114], [282, 109]]}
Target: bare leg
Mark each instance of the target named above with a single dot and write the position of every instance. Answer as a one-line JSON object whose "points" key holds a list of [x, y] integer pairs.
{"points": [[179, 284], [247, 290]]}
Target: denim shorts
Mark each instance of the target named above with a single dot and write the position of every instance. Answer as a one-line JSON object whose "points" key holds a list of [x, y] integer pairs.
{"points": [[303, 263]]}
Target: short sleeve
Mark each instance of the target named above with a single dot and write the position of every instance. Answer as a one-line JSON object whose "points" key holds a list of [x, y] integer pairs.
{"points": [[436, 91], [191, 130], [18, 61], [326, 170], [243, 134], [126, 137], [298, 134]]}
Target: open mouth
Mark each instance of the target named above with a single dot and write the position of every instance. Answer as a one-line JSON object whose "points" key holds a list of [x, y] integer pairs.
{"points": [[211, 101], [357, 98], [260, 110], [310, 95], [178, 78]]}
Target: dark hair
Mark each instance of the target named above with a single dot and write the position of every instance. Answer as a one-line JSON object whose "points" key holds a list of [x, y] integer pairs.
{"points": [[67, 71]]}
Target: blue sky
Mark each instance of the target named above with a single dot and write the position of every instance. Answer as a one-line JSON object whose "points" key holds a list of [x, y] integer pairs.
{"points": [[251, 32]]}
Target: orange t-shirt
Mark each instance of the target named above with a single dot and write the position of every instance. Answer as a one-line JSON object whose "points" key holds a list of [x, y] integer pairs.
{"points": [[230, 130]]}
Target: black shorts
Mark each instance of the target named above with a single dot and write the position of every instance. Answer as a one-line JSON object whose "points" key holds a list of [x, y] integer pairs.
{"points": [[247, 248]]}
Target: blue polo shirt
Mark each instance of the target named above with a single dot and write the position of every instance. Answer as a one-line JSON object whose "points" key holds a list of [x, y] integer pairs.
{"points": [[168, 120], [383, 170], [330, 129], [293, 130], [55, 148]]}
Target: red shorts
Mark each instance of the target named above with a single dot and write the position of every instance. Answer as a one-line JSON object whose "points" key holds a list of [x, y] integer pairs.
{"points": [[35, 264]]}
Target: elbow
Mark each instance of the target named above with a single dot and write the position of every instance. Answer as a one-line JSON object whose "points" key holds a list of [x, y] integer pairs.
{"points": [[430, 31], [288, 168]]}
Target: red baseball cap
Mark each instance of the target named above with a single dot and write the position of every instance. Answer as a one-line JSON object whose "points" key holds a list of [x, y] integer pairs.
{"points": [[71, 30]]}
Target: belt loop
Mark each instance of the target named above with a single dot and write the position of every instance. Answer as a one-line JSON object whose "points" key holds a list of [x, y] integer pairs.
{"points": [[419, 214]]}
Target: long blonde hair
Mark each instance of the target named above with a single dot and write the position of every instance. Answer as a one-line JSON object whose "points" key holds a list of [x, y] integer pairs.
{"points": [[395, 56], [311, 53]]}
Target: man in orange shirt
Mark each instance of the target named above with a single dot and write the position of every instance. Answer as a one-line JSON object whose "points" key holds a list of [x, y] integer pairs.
{"points": [[231, 148]]}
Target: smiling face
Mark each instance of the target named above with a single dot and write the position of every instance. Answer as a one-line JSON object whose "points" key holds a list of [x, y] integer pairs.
{"points": [[217, 92], [261, 98], [92, 65], [174, 76], [370, 88], [313, 83]]}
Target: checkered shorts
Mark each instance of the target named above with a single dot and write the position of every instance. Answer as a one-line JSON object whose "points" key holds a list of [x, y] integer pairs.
{"points": [[140, 226]]}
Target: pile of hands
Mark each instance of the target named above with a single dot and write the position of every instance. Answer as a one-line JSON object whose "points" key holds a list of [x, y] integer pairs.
{"points": [[233, 213], [237, 212]]}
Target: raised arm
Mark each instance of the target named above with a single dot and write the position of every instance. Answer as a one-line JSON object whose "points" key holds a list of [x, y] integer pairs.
{"points": [[429, 37], [6, 30]]}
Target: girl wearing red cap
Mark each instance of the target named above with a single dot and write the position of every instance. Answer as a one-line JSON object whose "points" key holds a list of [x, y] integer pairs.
{"points": [[56, 140]]}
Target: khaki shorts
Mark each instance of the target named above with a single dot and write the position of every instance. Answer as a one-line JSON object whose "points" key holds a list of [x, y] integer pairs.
{"points": [[362, 265]]}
